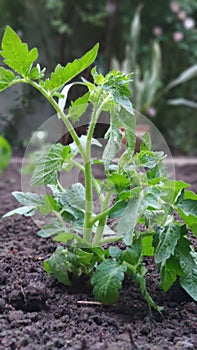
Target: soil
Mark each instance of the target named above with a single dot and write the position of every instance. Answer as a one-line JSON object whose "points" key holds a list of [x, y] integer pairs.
{"points": [[38, 313]]}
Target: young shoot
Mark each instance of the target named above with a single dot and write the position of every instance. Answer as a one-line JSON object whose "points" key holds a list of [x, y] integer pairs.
{"points": [[137, 192]]}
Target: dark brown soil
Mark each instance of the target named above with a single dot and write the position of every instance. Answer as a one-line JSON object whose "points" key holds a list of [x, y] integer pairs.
{"points": [[38, 313]]}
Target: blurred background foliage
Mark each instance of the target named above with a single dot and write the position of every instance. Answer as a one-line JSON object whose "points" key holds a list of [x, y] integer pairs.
{"points": [[64, 29]]}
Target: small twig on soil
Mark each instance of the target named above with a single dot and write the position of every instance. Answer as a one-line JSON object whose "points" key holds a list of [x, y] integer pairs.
{"points": [[36, 258], [133, 345], [22, 292], [81, 302]]}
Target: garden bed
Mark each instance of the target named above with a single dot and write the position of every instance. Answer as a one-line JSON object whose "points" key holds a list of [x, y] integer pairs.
{"points": [[37, 312]]}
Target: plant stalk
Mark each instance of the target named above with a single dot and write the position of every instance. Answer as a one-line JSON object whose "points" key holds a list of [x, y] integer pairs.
{"points": [[102, 221], [88, 170]]}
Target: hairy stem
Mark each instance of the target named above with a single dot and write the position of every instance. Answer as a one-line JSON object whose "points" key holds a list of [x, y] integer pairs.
{"points": [[88, 181], [94, 182], [102, 221], [97, 109]]}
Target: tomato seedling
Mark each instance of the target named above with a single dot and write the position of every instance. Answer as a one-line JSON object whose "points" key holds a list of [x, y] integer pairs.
{"points": [[136, 191]]}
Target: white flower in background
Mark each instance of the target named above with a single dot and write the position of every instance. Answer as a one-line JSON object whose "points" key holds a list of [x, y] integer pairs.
{"points": [[151, 112], [157, 31], [175, 6], [178, 36], [110, 7], [20, 33], [189, 23], [182, 14]]}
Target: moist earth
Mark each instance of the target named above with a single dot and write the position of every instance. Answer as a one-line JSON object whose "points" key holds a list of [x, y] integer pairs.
{"points": [[39, 313]]}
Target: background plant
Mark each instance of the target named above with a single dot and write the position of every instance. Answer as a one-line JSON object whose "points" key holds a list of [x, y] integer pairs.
{"points": [[136, 191], [5, 153], [147, 81]]}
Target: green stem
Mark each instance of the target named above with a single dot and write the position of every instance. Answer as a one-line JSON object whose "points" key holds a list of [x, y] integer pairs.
{"points": [[130, 267], [61, 187], [100, 215], [88, 202], [111, 239], [146, 234], [59, 216], [95, 183], [102, 221], [88, 170], [88, 181]]}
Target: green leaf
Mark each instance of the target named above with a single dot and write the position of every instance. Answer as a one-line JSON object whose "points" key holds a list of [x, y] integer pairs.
{"points": [[147, 246], [65, 237], [50, 205], [99, 252], [50, 230], [115, 252], [7, 78], [135, 29], [182, 102], [75, 196], [63, 75], [128, 122], [118, 209], [139, 278], [56, 265], [99, 79], [117, 181], [84, 257], [190, 194], [78, 107], [72, 215], [117, 83], [107, 280], [152, 198], [47, 166], [129, 219], [150, 159], [189, 283], [151, 80], [133, 254], [133, 193], [73, 203], [188, 262], [158, 172], [28, 210], [28, 198], [186, 75], [16, 54], [169, 272], [36, 73], [173, 189], [168, 239], [190, 221], [187, 208], [31, 203], [146, 143], [113, 145]]}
